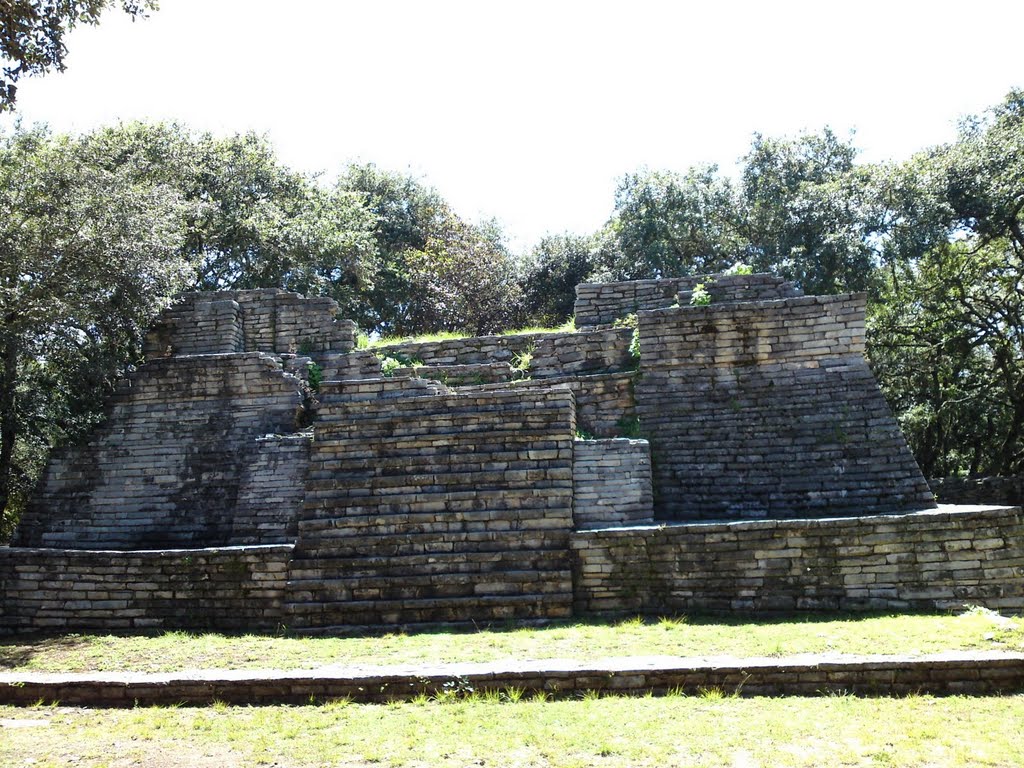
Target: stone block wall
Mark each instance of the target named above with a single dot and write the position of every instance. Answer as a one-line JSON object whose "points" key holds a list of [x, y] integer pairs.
{"points": [[227, 589], [550, 354], [611, 483], [941, 560], [605, 404], [168, 467], [268, 320], [1007, 490], [436, 508], [768, 410], [604, 303], [271, 491]]}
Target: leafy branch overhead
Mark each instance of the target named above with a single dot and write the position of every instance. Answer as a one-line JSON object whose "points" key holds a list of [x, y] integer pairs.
{"points": [[32, 35]]}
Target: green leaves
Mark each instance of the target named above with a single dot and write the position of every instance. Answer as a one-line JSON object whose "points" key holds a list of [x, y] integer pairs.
{"points": [[32, 35]]}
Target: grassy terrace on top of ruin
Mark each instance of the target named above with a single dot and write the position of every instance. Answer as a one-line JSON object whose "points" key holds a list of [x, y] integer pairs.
{"points": [[695, 636], [363, 341]]}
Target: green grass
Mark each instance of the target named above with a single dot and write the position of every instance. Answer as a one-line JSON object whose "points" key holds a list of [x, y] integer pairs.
{"points": [[386, 341], [569, 326], [612, 732], [696, 636]]}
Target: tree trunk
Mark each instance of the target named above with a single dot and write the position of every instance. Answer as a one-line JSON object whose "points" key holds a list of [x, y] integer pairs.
{"points": [[8, 421]]}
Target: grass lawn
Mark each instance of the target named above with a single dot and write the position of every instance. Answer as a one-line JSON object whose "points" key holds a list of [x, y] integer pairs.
{"points": [[671, 731], [696, 636]]}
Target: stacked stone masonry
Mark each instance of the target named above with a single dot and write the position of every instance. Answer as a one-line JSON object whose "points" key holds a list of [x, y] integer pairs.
{"points": [[600, 304], [442, 508], [249, 321], [458, 490], [229, 589], [538, 355], [767, 409], [611, 483], [945, 559], [178, 461], [605, 402]]}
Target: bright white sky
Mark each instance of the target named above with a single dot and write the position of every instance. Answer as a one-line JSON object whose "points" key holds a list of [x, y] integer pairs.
{"points": [[530, 111]]}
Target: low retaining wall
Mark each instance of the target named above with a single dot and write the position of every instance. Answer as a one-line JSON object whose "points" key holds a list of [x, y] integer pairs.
{"points": [[943, 559], [230, 588], [810, 675], [979, 490]]}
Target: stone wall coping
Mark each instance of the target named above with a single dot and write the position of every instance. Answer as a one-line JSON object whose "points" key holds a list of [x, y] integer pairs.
{"points": [[732, 307], [236, 549], [977, 672], [615, 440], [947, 511]]}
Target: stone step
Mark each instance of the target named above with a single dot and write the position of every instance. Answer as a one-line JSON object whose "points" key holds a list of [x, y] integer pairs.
{"points": [[476, 609], [429, 587], [443, 521], [423, 544], [403, 565]]}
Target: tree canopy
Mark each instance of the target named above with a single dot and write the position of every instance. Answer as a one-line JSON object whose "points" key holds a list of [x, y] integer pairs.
{"points": [[87, 256]]}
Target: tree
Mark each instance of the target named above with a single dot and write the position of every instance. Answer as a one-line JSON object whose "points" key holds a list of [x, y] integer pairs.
{"points": [[805, 212], [32, 35], [947, 339], [434, 271], [252, 222], [551, 272], [667, 224], [88, 255], [463, 280], [406, 214]]}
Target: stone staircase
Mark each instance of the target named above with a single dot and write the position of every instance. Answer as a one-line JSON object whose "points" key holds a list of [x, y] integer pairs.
{"points": [[428, 506]]}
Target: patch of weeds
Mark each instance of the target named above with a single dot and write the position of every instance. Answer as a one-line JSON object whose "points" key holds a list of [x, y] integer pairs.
{"points": [[362, 340], [632, 621], [672, 622], [389, 366], [739, 268], [582, 434], [626, 321], [454, 690], [569, 326], [629, 427], [316, 376], [714, 693], [306, 347], [541, 696], [700, 296], [513, 694], [521, 360]]}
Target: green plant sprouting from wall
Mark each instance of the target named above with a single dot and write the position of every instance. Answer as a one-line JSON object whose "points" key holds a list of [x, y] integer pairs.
{"points": [[739, 268], [700, 296], [521, 360], [315, 375]]}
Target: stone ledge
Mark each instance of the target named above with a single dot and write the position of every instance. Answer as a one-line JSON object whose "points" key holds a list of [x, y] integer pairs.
{"points": [[978, 673]]}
